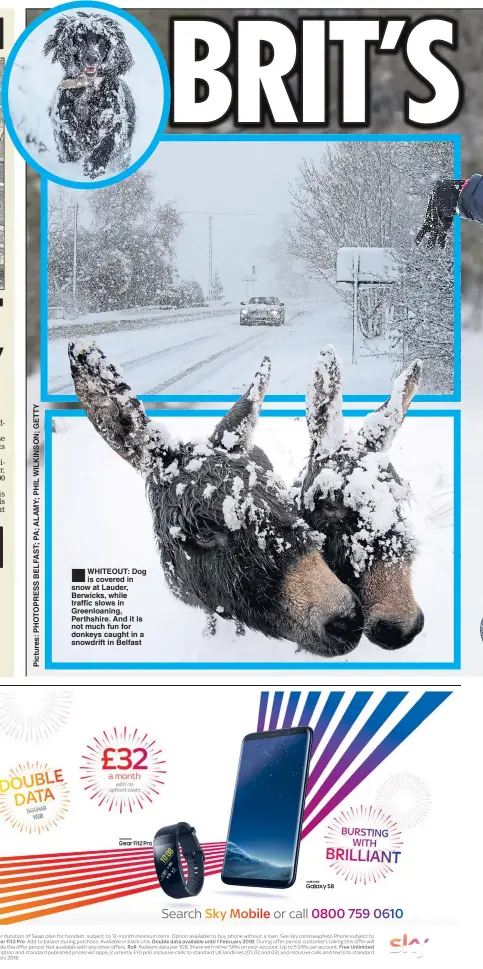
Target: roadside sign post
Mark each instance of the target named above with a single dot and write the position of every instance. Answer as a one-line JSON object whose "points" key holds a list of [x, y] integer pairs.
{"points": [[365, 266]]}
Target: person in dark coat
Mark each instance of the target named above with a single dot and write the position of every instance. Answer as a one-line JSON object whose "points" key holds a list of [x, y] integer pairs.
{"points": [[450, 197]]}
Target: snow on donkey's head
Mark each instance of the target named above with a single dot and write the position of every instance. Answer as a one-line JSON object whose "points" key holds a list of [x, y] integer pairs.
{"points": [[228, 534], [352, 494], [89, 44]]}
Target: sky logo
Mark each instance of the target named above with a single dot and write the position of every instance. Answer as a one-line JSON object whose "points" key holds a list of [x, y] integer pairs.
{"points": [[408, 946]]}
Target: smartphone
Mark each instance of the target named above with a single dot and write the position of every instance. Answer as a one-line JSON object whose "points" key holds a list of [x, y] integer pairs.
{"points": [[266, 816]]}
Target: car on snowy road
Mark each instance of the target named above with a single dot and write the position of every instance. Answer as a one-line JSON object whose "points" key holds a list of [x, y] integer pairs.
{"points": [[262, 309]]}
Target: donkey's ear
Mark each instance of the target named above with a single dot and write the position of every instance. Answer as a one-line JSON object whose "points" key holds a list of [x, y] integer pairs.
{"points": [[324, 402], [235, 431], [116, 413], [380, 427]]}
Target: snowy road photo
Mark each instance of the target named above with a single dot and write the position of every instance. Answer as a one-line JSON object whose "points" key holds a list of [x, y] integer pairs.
{"points": [[162, 269], [101, 520], [208, 354]]}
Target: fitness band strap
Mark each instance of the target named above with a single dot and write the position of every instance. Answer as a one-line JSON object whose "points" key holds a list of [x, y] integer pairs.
{"points": [[168, 860]]}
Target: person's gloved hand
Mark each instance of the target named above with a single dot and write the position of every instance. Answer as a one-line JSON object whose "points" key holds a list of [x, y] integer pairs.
{"points": [[439, 213]]}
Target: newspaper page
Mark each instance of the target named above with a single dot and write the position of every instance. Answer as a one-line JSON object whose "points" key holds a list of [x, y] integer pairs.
{"points": [[241, 627]]}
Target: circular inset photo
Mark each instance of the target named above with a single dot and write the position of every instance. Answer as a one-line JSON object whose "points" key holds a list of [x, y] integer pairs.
{"points": [[86, 94]]}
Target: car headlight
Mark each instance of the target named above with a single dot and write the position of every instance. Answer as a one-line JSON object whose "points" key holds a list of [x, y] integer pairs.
{"points": [[275, 312], [244, 312]]}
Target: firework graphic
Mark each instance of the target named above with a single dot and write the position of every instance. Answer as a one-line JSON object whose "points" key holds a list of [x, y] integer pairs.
{"points": [[368, 854], [123, 770], [406, 797], [33, 713], [37, 800]]}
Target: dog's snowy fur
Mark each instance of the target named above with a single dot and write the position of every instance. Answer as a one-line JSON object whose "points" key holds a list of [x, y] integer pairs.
{"points": [[93, 123]]}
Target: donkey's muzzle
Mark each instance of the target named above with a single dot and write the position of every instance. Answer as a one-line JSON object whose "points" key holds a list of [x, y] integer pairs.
{"points": [[389, 633], [338, 633], [327, 617]]}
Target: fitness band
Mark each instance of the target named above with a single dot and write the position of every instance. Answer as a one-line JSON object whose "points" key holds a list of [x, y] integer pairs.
{"points": [[168, 860]]}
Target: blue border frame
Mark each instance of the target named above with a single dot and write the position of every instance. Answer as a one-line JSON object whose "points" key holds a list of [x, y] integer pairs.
{"points": [[320, 666], [119, 12], [453, 398]]}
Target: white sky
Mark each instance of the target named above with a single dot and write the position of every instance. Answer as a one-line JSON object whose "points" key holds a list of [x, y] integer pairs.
{"points": [[218, 177], [250, 182]]}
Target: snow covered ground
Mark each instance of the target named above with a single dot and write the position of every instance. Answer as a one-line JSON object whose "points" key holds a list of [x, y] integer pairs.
{"points": [[101, 520], [33, 82], [218, 356], [112, 318]]}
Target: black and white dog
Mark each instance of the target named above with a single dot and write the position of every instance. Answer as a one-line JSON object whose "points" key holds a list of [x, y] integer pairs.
{"points": [[92, 111]]}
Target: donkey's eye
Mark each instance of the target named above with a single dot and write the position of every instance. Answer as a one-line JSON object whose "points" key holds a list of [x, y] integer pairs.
{"points": [[211, 539], [335, 511], [209, 535], [203, 531]]}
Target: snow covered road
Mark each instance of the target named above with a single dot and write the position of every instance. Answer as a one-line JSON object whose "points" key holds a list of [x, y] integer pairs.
{"points": [[218, 356]]}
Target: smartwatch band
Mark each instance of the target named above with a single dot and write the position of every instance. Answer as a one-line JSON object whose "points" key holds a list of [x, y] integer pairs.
{"points": [[168, 860]]}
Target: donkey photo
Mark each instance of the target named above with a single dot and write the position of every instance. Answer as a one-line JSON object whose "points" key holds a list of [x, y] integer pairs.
{"points": [[228, 533], [351, 493], [337, 559]]}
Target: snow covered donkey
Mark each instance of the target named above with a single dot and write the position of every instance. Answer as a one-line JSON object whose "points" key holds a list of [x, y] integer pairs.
{"points": [[228, 534], [351, 493]]}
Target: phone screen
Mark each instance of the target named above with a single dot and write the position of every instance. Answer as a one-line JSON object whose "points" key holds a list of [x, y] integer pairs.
{"points": [[264, 833]]}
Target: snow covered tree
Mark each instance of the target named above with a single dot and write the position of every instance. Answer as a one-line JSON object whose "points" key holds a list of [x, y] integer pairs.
{"points": [[375, 194], [113, 278], [125, 204], [61, 220], [216, 286], [190, 293], [425, 327], [129, 220], [126, 241]]}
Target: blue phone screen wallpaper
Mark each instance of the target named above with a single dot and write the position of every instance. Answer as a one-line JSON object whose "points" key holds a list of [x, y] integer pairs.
{"points": [[263, 834]]}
